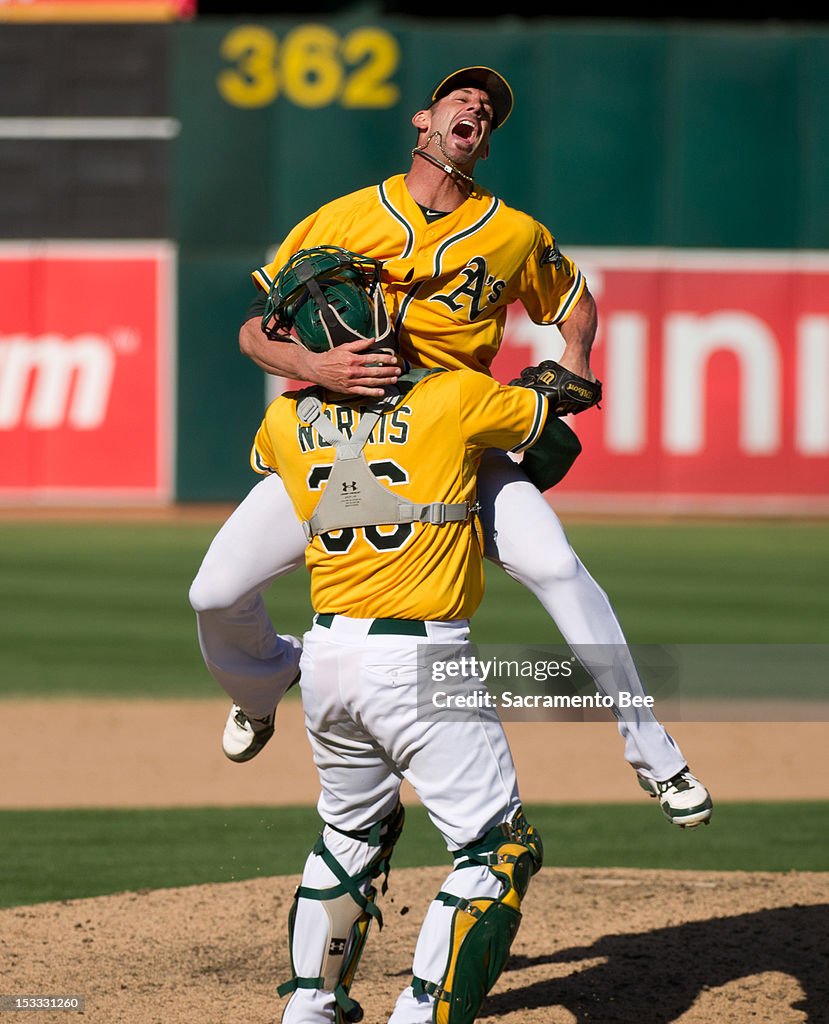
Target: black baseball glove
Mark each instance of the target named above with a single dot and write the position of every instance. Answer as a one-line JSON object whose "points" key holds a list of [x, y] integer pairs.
{"points": [[567, 392]]}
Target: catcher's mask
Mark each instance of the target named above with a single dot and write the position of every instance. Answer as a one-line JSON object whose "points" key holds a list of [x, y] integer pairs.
{"points": [[328, 296]]}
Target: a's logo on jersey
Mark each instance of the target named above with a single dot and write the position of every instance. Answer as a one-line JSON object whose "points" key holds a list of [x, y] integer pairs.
{"points": [[552, 255], [479, 289]]}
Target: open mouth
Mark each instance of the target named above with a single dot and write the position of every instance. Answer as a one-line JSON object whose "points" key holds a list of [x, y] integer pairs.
{"points": [[465, 130]]}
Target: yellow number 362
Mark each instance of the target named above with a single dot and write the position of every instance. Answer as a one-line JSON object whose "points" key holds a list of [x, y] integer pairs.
{"points": [[312, 67]]}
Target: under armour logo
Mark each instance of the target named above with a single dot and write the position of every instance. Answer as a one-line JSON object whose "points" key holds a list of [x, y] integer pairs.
{"points": [[336, 947], [349, 486]]}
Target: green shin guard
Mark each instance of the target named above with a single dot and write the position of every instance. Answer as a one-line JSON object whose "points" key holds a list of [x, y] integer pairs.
{"points": [[483, 929]]}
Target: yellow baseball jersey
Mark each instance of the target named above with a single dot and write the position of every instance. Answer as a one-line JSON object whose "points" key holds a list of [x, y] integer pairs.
{"points": [[447, 282], [427, 449]]}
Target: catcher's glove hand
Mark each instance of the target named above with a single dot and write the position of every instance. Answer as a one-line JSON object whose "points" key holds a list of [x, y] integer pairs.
{"points": [[567, 392]]}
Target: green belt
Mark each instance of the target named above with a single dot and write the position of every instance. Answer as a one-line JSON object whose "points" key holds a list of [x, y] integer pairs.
{"points": [[403, 627]]}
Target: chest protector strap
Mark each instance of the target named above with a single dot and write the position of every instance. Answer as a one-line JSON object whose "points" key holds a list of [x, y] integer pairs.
{"points": [[353, 495]]}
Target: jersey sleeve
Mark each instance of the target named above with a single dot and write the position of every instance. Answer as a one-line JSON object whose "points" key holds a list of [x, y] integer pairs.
{"points": [[494, 415], [293, 242], [551, 283], [326, 226]]}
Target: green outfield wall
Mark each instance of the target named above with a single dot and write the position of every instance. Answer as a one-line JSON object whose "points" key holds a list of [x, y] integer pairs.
{"points": [[206, 140], [623, 135]]}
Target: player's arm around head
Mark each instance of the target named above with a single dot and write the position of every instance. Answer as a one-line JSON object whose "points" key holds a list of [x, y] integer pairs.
{"points": [[349, 369], [349, 366]]}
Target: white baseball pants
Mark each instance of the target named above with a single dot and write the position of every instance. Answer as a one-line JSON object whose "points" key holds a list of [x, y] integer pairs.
{"points": [[362, 699], [263, 540]]}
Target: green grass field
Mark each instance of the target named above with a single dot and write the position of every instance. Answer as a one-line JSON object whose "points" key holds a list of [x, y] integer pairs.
{"points": [[92, 608], [98, 609], [51, 855]]}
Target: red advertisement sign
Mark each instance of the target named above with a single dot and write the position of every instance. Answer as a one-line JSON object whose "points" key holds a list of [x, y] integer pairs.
{"points": [[96, 10], [86, 371], [715, 368]]}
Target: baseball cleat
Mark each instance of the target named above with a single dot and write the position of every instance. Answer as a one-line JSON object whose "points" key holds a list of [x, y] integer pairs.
{"points": [[245, 736], [684, 800]]}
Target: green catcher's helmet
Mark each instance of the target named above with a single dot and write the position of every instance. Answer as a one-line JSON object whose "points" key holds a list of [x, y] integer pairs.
{"points": [[328, 296]]}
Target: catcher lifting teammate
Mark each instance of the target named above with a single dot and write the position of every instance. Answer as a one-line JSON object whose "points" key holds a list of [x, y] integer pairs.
{"points": [[396, 568], [453, 256]]}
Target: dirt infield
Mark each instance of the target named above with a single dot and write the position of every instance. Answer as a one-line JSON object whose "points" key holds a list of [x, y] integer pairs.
{"points": [[610, 946], [616, 946], [167, 754]]}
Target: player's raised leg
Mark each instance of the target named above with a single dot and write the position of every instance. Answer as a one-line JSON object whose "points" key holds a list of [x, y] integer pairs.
{"points": [[523, 534], [240, 647]]}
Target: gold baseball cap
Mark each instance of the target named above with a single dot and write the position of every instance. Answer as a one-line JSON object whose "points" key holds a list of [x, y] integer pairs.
{"points": [[498, 88]]}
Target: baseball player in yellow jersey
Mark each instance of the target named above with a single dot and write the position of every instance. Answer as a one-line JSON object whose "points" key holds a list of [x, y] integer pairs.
{"points": [[421, 449], [381, 590], [446, 286], [454, 256]]}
